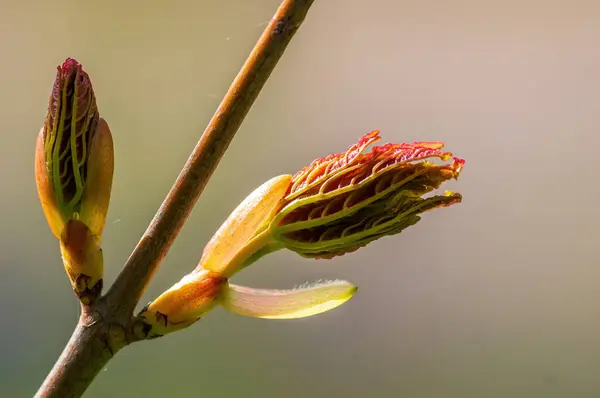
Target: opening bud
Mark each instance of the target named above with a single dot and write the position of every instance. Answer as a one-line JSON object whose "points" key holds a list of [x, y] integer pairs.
{"points": [[335, 205], [342, 202], [74, 154]]}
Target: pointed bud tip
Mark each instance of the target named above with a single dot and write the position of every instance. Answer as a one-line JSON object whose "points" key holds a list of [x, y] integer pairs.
{"points": [[66, 72], [69, 65]]}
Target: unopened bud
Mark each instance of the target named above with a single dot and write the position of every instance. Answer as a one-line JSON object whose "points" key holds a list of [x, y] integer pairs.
{"points": [[74, 154], [74, 164]]}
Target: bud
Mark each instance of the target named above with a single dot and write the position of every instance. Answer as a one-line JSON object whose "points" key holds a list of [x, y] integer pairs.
{"points": [[241, 240], [342, 202], [333, 206], [74, 154], [74, 169], [83, 260], [336, 204]]}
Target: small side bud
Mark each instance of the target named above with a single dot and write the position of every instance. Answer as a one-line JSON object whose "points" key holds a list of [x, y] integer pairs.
{"points": [[184, 303], [83, 260], [287, 304]]}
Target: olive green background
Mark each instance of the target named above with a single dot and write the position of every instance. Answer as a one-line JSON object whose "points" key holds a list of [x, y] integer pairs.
{"points": [[496, 297]]}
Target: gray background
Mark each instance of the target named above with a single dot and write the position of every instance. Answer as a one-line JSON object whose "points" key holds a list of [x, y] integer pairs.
{"points": [[495, 297]]}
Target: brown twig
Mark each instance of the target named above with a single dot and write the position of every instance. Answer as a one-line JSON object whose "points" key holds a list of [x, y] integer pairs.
{"points": [[107, 325], [83, 357]]}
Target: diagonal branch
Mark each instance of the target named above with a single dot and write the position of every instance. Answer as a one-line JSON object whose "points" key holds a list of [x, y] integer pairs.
{"points": [[107, 326], [168, 221]]}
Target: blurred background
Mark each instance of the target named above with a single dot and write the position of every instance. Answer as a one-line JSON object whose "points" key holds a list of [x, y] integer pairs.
{"points": [[495, 297]]}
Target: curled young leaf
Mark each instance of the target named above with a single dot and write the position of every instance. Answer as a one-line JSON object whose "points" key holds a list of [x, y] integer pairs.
{"points": [[344, 201]]}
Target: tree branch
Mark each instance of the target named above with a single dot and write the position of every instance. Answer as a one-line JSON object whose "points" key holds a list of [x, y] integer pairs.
{"points": [[107, 325], [168, 221], [83, 357]]}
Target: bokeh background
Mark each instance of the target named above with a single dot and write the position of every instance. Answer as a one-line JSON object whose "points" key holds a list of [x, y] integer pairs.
{"points": [[496, 297]]}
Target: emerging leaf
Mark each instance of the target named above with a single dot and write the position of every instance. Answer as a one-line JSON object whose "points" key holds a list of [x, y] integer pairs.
{"points": [[344, 201], [287, 304]]}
